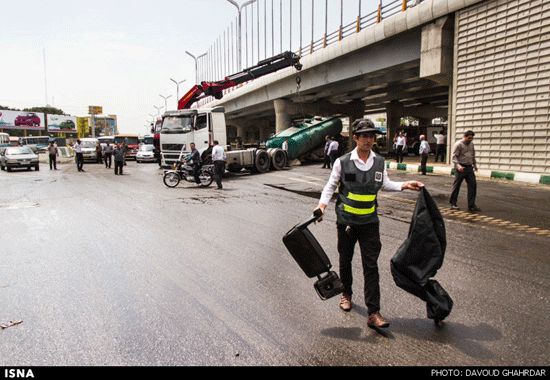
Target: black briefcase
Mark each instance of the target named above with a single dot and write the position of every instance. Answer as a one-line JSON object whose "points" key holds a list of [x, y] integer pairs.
{"points": [[313, 260]]}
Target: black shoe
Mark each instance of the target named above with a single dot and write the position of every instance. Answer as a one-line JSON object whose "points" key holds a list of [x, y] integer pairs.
{"points": [[454, 207], [474, 209]]}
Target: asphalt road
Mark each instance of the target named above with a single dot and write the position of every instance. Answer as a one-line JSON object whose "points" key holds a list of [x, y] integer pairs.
{"points": [[120, 270]]}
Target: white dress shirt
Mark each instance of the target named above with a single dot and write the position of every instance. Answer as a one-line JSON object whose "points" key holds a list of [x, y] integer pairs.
{"points": [[334, 179], [77, 148], [333, 147], [218, 153], [424, 147]]}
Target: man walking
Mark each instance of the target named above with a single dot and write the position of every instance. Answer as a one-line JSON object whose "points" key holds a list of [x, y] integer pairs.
{"points": [[326, 161], [464, 159], [401, 146], [53, 153], [441, 145], [119, 159], [424, 151], [359, 175], [218, 158], [333, 151], [108, 153], [79, 157]]}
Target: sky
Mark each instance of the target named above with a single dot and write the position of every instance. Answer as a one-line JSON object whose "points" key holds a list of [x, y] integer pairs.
{"points": [[121, 54]]}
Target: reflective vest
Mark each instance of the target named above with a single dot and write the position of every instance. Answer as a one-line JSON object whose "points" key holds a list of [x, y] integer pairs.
{"points": [[357, 192]]}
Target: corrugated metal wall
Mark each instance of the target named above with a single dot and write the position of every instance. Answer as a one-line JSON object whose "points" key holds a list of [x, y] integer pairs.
{"points": [[502, 83]]}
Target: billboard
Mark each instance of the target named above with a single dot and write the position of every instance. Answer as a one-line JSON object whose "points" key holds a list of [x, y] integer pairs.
{"points": [[21, 120], [95, 110], [61, 123]]}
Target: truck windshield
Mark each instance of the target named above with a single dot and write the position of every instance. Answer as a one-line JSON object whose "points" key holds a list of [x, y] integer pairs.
{"points": [[177, 124]]}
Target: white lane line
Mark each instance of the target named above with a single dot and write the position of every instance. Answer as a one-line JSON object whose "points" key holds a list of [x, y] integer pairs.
{"points": [[296, 179]]}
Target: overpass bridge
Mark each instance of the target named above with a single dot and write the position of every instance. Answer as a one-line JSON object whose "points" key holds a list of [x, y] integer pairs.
{"points": [[483, 64]]}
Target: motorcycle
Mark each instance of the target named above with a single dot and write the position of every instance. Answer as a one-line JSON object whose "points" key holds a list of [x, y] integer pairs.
{"points": [[182, 170]]}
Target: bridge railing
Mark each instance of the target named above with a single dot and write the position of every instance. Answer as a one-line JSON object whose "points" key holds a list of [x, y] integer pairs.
{"points": [[216, 65]]}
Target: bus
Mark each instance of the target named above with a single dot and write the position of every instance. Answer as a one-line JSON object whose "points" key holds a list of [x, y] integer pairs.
{"points": [[4, 139], [37, 143], [132, 141], [147, 140]]}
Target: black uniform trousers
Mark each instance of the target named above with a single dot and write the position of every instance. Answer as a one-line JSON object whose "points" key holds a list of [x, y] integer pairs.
{"points": [[368, 236]]}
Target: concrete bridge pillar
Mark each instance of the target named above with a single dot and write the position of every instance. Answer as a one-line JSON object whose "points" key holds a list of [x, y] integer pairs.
{"points": [[283, 112], [436, 53]]}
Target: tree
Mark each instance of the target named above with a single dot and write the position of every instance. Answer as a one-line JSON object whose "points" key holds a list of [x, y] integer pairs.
{"points": [[48, 110], [8, 108]]}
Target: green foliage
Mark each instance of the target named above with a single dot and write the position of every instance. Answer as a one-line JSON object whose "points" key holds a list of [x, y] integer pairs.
{"points": [[47, 109], [8, 108]]}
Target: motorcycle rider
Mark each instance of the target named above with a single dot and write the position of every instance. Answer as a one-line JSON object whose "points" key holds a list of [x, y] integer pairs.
{"points": [[194, 158]]}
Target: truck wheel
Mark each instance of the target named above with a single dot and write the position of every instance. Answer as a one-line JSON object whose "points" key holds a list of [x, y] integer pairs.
{"points": [[278, 158], [261, 161], [171, 179]]}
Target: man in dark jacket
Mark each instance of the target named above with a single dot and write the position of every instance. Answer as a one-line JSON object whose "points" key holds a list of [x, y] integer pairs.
{"points": [[119, 159], [195, 160]]}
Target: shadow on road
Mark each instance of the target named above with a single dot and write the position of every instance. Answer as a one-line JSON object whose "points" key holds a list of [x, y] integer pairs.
{"points": [[467, 339]]}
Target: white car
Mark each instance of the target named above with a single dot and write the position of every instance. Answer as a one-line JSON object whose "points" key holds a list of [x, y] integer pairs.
{"points": [[18, 157], [146, 153], [88, 149]]}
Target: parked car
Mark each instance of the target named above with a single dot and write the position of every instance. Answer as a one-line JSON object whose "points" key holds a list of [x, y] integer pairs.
{"points": [[146, 153], [88, 148], [67, 124], [18, 157], [31, 119]]}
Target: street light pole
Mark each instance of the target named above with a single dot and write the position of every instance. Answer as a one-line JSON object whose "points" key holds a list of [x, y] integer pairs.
{"points": [[158, 110], [239, 9], [196, 65], [165, 99], [177, 89]]}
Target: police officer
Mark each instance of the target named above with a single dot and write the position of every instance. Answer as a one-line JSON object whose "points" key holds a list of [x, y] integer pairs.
{"points": [[359, 175]]}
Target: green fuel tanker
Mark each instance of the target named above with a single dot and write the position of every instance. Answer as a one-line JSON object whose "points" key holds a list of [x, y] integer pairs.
{"points": [[305, 137]]}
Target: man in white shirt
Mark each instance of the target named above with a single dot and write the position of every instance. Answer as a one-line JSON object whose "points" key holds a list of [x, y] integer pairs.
{"points": [[441, 145], [79, 157], [359, 175], [333, 151], [401, 145], [218, 158], [424, 151]]}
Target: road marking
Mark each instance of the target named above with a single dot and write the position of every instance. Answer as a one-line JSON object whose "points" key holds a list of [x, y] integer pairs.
{"points": [[506, 226], [295, 179]]}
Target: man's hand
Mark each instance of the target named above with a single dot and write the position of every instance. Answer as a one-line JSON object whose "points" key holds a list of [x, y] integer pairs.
{"points": [[320, 210], [460, 168], [412, 185]]}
